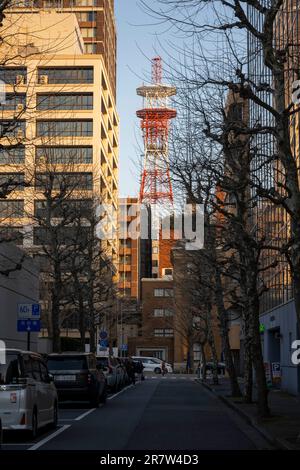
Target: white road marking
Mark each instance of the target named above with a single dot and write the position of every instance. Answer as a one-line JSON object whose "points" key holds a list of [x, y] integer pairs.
{"points": [[116, 394], [49, 438], [79, 418]]}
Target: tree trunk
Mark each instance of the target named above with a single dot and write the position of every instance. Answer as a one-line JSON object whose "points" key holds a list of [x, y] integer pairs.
{"points": [[258, 362], [235, 388], [203, 356], [248, 373]]}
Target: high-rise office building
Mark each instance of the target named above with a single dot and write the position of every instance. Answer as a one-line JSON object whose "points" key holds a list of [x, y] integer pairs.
{"points": [[278, 317], [59, 113], [97, 25]]}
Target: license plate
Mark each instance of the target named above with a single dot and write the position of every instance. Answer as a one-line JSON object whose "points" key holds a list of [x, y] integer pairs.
{"points": [[65, 378]]}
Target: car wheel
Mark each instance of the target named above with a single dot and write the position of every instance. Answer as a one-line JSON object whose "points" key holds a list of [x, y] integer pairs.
{"points": [[55, 417], [157, 370], [35, 426]]}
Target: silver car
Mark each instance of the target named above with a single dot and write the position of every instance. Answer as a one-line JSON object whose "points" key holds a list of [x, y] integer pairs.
{"points": [[28, 397]]}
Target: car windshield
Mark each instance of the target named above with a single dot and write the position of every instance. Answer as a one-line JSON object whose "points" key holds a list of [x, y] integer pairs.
{"points": [[10, 370], [66, 363]]}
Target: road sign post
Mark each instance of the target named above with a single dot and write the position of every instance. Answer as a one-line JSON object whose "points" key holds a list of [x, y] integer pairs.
{"points": [[29, 320]]}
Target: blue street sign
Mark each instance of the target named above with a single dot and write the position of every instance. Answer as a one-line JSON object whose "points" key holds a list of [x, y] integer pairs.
{"points": [[29, 311], [103, 343], [26, 325], [124, 347], [103, 334]]}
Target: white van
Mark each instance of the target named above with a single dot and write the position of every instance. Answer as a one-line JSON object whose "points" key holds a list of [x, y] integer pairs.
{"points": [[28, 397], [153, 364]]}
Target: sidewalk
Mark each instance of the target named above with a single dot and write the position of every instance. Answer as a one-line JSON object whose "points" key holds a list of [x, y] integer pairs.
{"points": [[281, 429]]}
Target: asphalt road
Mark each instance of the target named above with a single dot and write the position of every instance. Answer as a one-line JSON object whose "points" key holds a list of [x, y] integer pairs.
{"points": [[161, 413]]}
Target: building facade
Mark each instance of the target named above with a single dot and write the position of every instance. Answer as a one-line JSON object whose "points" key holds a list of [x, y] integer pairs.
{"points": [[278, 317], [59, 115]]}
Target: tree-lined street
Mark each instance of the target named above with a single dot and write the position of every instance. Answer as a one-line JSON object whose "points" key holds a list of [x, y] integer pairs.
{"points": [[174, 413]]}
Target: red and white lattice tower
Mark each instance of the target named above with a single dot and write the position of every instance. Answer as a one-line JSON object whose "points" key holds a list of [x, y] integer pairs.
{"points": [[156, 187]]}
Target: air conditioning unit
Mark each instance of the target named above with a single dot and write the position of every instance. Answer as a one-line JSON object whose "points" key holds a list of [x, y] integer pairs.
{"points": [[20, 134], [20, 107], [43, 80], [20, 80]]}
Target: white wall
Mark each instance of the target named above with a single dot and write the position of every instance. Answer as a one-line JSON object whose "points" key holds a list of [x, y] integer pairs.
{"points": [[21, 286]]}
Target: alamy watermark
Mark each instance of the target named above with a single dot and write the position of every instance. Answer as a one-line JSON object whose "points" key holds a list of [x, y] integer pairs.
{"points": [[152, 222]]}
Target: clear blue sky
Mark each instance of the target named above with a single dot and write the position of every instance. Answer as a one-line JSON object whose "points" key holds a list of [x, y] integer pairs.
{"points": [[137, 44]]}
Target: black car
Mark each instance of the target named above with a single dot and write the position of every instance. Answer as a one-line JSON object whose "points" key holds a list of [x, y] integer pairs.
{"points": [[77, 377]]}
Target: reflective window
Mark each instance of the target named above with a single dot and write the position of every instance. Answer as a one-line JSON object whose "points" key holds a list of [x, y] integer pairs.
{"points": [[65, 128], [65, 101], [66, 74], [65, 154]]}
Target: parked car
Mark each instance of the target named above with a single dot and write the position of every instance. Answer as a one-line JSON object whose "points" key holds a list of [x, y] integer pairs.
{"points": [[77, 377], [111, 369], [28, 397], [153, 364]]}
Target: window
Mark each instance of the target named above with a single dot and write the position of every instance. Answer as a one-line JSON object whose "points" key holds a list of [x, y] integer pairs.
{"points": [[12, 128], [83, 3], [164, 332], [155, 249], [82, 128], [167, 272], [68, 208], [11, 234], [67, 74], [125, 259], [71, 236], [12, 155], [86, 15], [13, 75], [11, 209], [64, 101], [90, 48], [163, 312], [65, 154], [163, 292], [66, 363], [155, 263], [12, 101], [88, 32], [71, 181], [12, 181], [10, 371]]}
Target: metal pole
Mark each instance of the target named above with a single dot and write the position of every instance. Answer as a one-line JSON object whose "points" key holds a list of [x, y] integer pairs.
{"points": [[28, 340]]}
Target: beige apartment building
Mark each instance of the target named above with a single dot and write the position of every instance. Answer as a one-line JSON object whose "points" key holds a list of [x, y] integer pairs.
{"points": [[60, 109]]}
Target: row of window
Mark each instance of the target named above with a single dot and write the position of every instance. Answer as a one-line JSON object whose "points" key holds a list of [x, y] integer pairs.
{"points": [[166, 292], [163, 312], [164, 332], [69, 208], [64, 101], [81, 128], [48, 75], [51, 155], [57, 181]]}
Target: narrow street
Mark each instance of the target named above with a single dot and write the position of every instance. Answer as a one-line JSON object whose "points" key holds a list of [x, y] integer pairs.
{"points": [[173, 413]]}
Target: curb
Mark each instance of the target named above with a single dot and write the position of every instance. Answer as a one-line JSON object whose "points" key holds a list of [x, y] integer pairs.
{"points": [[279, 443]]}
